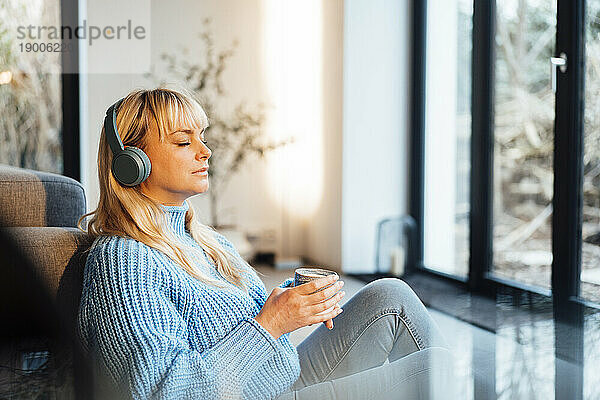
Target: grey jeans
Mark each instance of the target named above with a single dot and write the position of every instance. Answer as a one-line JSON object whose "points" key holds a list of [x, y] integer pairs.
{"points": [[384, 320]]}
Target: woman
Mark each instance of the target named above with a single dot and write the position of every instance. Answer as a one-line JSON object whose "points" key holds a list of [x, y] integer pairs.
{"points": [[172, 311]]}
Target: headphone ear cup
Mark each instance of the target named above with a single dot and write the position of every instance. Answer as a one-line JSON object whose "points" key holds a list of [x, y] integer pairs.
{"points": [[131, 166], [145, 162]]}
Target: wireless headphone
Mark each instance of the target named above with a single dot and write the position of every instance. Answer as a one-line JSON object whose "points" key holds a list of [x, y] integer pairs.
{"points": [[130, 165]]}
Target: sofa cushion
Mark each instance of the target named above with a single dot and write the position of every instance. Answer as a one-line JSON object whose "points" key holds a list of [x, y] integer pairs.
{"points": [[58, 256], [35, 198], [40, 351]]}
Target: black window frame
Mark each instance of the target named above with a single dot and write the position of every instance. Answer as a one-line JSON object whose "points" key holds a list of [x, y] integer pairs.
{"points": [[69, 16]]}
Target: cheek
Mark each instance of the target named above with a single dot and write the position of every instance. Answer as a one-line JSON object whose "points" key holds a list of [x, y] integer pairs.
{"points": [[167, 168]]}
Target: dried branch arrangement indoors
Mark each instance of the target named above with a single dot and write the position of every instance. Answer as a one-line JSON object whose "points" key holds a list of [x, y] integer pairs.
{"points": [[234, 136]]}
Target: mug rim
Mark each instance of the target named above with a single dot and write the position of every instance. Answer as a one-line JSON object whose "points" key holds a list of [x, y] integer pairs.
{"points": [[326, 272]]}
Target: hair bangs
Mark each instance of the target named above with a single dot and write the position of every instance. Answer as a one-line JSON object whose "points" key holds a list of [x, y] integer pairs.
{"points": [[180, 113]]}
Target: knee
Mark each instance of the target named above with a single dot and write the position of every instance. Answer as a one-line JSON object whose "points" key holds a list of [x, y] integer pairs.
{"points": [[390, 287], [392, 293]]}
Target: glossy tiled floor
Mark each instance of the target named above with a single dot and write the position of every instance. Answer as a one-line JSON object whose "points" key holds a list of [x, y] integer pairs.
{"points": [[513, 359]]}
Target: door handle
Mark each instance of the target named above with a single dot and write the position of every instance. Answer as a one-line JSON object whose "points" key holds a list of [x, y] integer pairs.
{"points": [[561, 63]]}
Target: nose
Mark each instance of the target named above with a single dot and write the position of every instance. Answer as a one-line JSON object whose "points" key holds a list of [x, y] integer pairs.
{"points": [[203, 151]]}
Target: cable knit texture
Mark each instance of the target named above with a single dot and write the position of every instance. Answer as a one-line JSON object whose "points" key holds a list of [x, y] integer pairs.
{"points": [[162, 334]]}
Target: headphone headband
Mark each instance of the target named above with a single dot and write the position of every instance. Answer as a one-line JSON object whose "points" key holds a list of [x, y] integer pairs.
{"points": [[110, 128]]}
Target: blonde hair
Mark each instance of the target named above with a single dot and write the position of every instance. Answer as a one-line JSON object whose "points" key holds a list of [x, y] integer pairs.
{"points": [[127, 212]]}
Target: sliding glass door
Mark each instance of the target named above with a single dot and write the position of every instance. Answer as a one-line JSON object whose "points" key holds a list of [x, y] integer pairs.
{"points": [[590, 232], [513, 60], [523, 133], [590, 262], [533, 209]]}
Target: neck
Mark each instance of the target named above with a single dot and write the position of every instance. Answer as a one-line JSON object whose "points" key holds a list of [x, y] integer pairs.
{"points": [[160, 199], [176, 216]]}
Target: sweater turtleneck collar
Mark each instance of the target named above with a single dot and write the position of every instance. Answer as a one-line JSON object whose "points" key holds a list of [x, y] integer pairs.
{"points": [[176, 216]]}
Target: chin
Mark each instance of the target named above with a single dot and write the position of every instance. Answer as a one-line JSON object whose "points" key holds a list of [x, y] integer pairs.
{"points": [[202, 188]]}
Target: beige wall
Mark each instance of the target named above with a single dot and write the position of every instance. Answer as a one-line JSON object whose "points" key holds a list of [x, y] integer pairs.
{"points": [[259, 202]]}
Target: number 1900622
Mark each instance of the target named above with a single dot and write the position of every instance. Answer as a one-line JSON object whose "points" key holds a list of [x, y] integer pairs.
{"points": [[45, 47]]}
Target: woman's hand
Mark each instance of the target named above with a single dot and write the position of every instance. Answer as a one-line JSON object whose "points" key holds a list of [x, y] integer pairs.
{"points": [[291, 308]]}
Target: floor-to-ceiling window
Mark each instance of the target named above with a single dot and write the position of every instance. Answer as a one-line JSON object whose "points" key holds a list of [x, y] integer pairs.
{"points": [[590, 232], [533, 175], [38, 86], [590, 271], [523, 132]]}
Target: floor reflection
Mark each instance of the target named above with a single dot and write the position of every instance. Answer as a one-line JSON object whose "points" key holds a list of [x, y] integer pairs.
{"points": [[525, 361], [591, 355], [507, 348]]}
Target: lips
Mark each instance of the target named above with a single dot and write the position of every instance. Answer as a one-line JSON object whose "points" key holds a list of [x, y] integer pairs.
{"points": [[201, 170]]}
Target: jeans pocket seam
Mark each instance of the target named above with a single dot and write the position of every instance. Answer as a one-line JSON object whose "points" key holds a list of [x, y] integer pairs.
{"points": [[371, 322]]}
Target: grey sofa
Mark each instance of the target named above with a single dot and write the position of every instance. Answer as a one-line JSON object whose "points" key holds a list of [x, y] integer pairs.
{"points": [[39, 213]]}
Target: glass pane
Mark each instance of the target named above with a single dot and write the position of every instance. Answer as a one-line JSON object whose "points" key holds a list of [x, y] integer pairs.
{"points": [[30, 87], [448, 135], [523, 141], [590, 257]]}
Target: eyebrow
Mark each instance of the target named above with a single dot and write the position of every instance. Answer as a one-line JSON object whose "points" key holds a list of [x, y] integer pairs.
{"points": [[187, 131]]}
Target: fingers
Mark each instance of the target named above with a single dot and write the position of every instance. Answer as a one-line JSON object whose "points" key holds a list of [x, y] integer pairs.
{"points": [[326, 316], [329, 322], [313, 286], [326, 311], [318, 297], [325, 305]]}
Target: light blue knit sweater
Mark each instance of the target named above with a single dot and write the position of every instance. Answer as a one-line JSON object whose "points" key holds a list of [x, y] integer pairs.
{"points": [[163, 334]]}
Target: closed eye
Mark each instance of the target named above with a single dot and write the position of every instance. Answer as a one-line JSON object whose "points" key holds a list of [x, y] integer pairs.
{"points": [[187, 144]]}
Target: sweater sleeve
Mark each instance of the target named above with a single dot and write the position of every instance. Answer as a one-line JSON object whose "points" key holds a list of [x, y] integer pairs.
{"points": [[142, 339]]}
